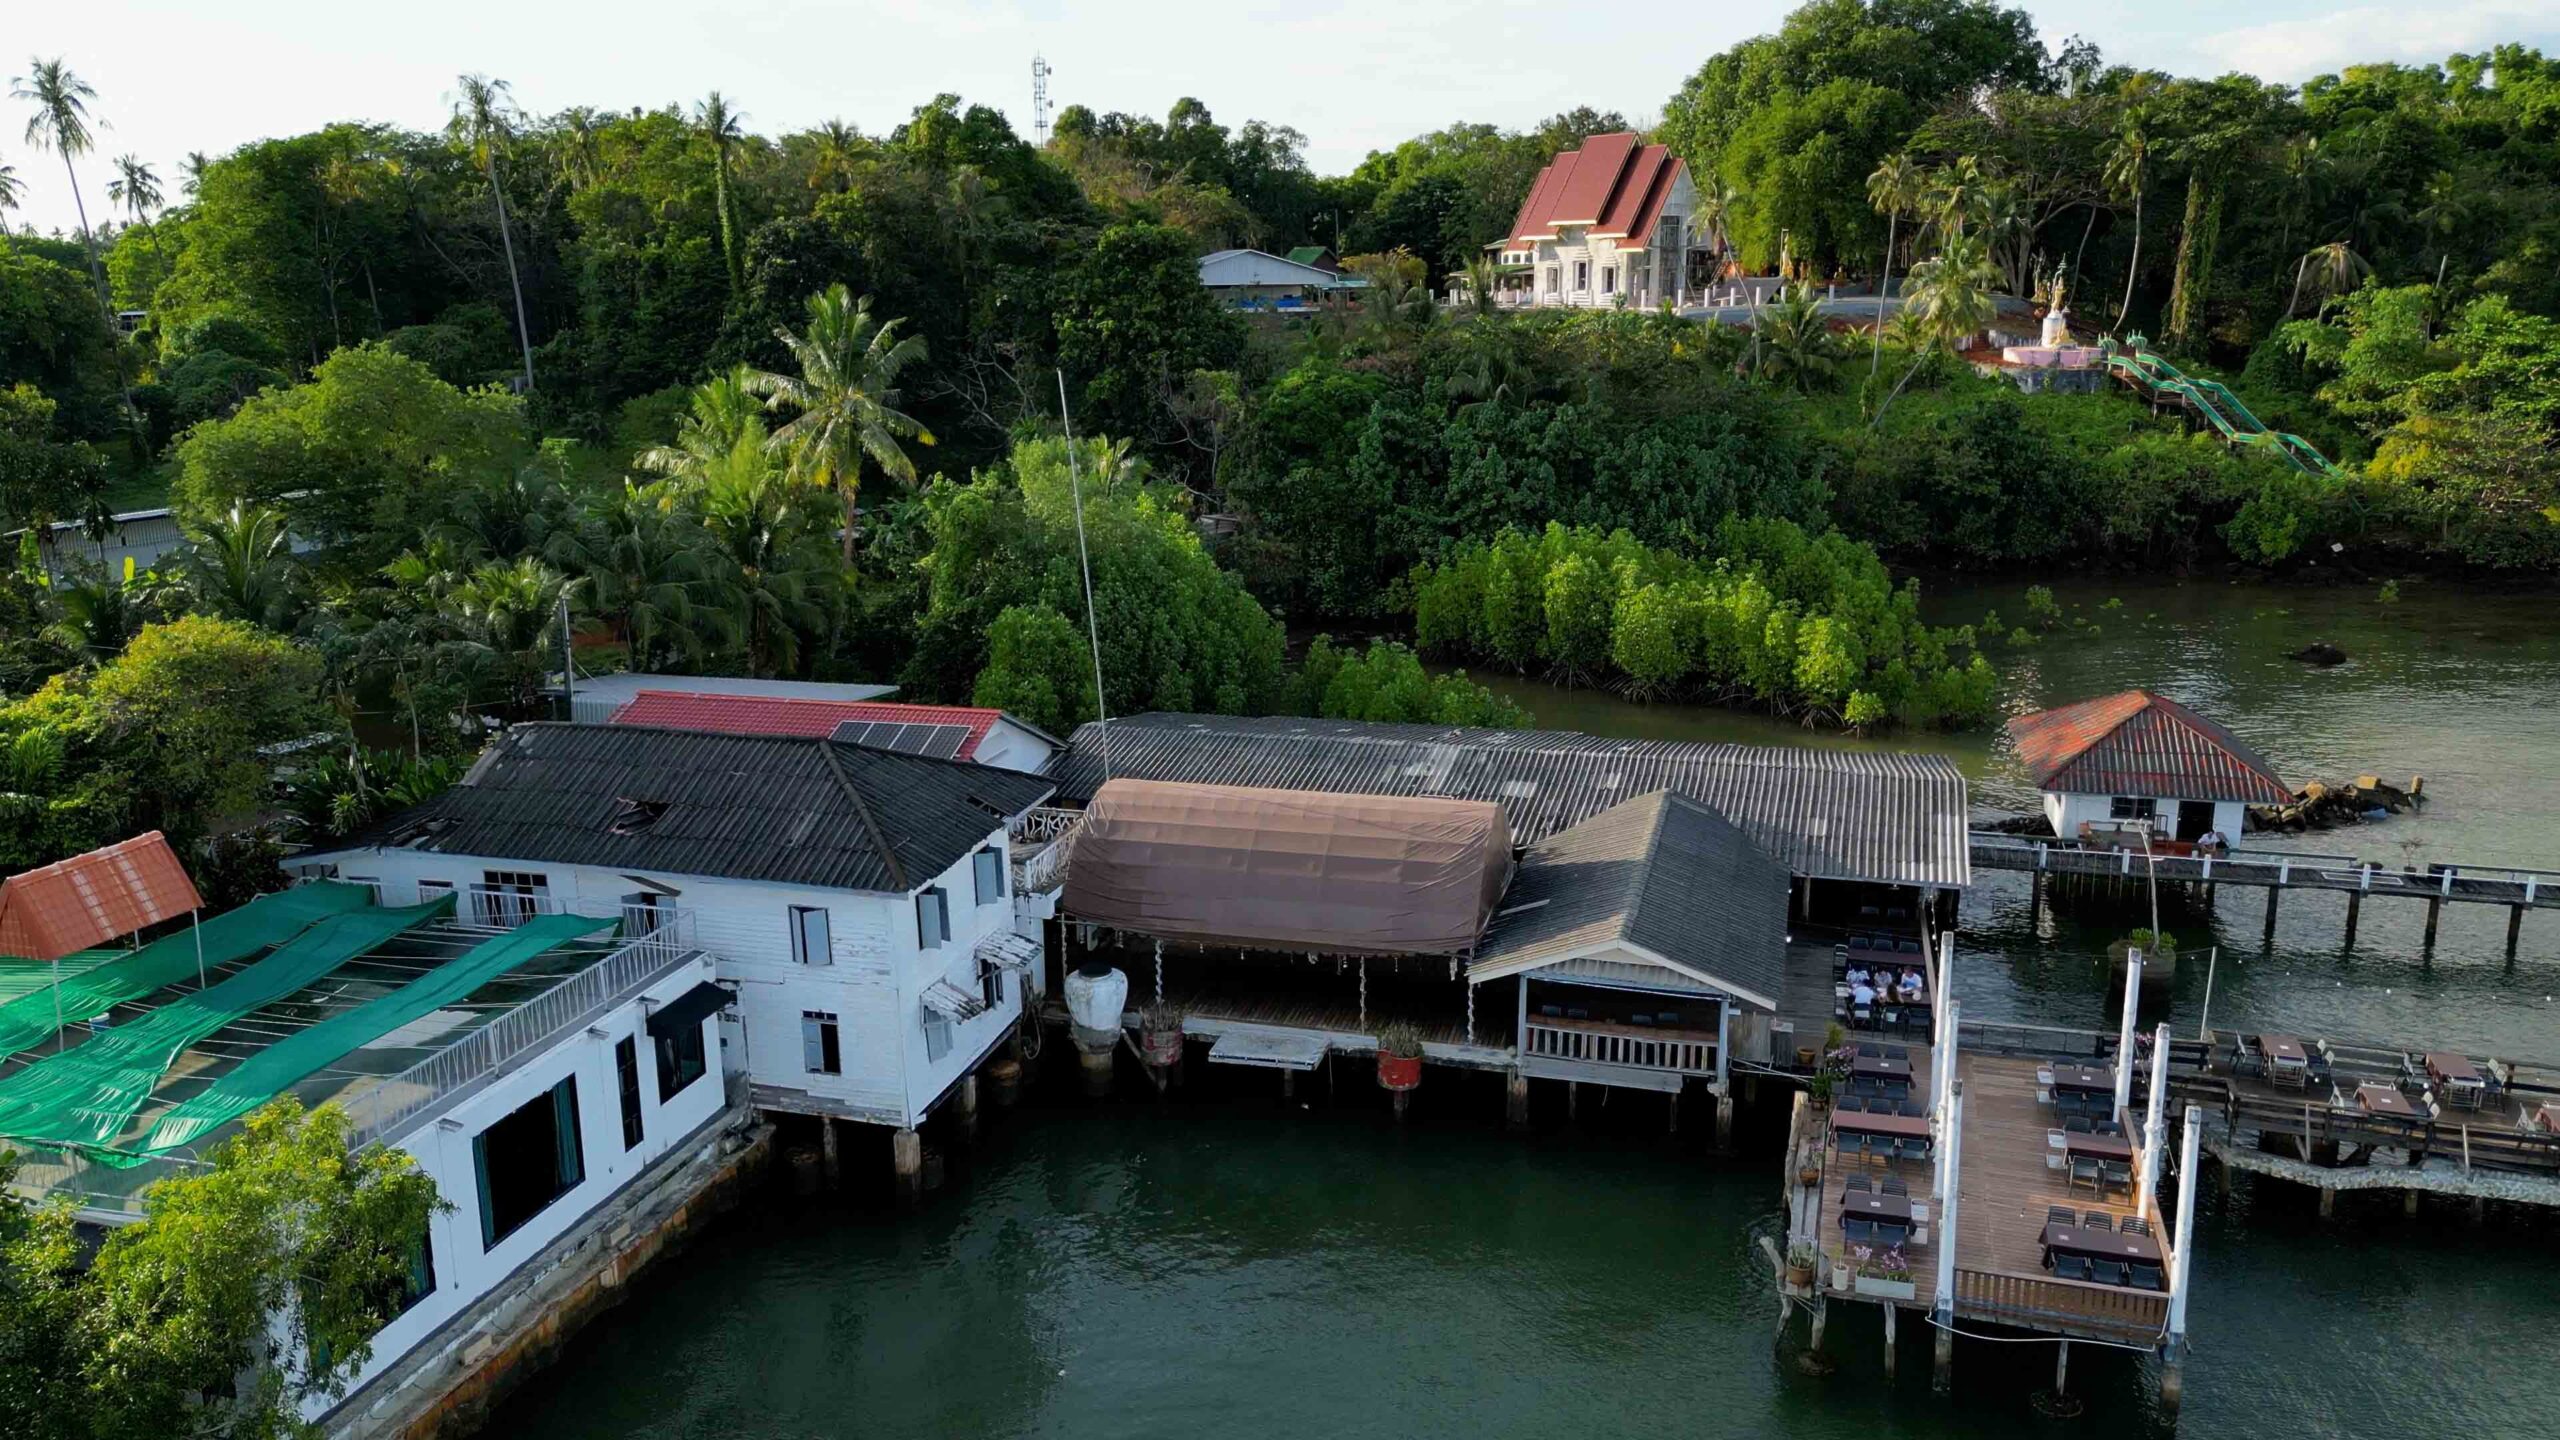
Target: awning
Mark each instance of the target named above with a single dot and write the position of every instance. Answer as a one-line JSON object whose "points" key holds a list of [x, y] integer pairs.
{"points": [[951, 1002], [88, 900], [688, 1009], [1006, 950]]}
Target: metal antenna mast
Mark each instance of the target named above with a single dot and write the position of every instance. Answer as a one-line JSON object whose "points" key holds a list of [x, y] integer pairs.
{"points": [[1040, 98], [1084, 561]]}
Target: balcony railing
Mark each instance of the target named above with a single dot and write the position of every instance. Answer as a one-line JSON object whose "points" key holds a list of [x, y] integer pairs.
{"points": [[1677, 1051], [1041, 839], [575, 1001], [2071, 1306]]}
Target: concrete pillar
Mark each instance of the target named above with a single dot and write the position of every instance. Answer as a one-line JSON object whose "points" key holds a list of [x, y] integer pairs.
{"points": [[1821, 1315], [1004, 1078], [2435, 911], [1402, 1099], [2328, 1202], [1096, 1065], [1942, 1371], [2173, 1377], [1890, 1310], [1673, 1125], [2355, 902], [2061, 1367], [1572, 1101], [964, 1107], [830, 1163], [1288, 1084], [906, 1158], [1515, 1102], [2409, 1205], [1724, 1122]]}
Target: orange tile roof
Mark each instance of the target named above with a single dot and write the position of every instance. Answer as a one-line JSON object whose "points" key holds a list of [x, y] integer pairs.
{"points": [[88, 900], [782, 715], [2138, 743], [1612, 184]]}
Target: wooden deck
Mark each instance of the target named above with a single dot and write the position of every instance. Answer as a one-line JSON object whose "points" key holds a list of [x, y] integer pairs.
{"points": [[1918, 1176], [2275, 869], [2004, 1187]]}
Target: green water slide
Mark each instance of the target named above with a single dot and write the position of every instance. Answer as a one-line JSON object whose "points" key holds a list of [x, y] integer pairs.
{"points": [[268, 1073], [2217, 406], [95, 982], [83, 1096]]}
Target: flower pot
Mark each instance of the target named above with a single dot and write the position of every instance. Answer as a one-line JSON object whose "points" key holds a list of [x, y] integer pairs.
{"points": [[1162, 1047], [1887, 1289], [1809, 1175], [1399, 1072], [1799, 1277], [1840, 1276]]}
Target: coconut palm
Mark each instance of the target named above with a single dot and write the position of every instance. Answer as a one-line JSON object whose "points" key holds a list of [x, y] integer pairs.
{"points": [[1892, 189], [191, 171], [1718, 204], [2128, 160], [723, 408], [1801, 349], [11, 187], [1954, 292], [724, 128], [847, 398], [507, 615], [135, 188], [1483, 274], [241, 564], [649, 566], [61, 124], [772, 570], [2334, 269], [1954, 193], [483, 121], [832, 146]]}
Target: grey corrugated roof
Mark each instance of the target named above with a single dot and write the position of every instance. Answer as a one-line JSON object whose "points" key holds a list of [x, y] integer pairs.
{"points": [[1836, 814], [784, 809], [1662, 872]]}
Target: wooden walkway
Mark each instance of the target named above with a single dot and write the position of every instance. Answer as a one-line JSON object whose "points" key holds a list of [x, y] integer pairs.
{"points": [[2272, 869], [1919, 1177]]}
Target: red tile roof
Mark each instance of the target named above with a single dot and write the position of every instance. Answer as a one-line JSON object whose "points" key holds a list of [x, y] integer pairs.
{"points": [[88, 900], [781, 715], [1613, 184], [2138, 743]]}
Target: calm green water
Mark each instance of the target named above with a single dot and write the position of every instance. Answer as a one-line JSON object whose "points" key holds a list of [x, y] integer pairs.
{"points": [[1225, 1265]]}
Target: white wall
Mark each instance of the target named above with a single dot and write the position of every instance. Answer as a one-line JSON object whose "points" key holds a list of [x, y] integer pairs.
{"points": [[1008, 746], [874, 988], [464, 1271], [2068, 812]]}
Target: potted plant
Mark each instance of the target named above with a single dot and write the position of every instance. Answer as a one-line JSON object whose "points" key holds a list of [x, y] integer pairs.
{"points": [[1818, 1089], [1800, 1259], [1886, 1276], [1160, 1034], [1399, 1057], [1839, 1272]]}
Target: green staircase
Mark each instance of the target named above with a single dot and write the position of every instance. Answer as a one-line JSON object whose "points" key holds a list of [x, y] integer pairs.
{"points": [[2213, 403]]}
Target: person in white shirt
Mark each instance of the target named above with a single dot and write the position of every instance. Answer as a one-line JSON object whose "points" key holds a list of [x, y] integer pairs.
{"points": [[1862, 992]]}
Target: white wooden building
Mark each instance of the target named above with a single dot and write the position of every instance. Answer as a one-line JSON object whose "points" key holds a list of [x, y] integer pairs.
{"points": [[1610, 224], [951, 732], [2140, 761], [857, 899], [1260, 280]]}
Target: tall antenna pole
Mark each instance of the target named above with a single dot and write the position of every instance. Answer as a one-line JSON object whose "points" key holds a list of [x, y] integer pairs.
{"points": [[1084, 562], [1040, 98]]}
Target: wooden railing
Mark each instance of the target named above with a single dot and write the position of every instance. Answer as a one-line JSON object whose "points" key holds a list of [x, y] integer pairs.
{"points": [[1673, 1050], [2109, 1312]]}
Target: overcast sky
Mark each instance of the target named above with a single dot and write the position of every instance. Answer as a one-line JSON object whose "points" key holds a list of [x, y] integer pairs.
{"points": [[185, 75]]}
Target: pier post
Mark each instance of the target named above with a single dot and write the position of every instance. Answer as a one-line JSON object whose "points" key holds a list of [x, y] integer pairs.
{"points": [[2515, 923], [2173, 1376], [1673, 1124], [2061, 1368], [2435, 910], [1890, 1309], [964, 1106], [1515, 1102], [2328, 1201], [1572, 1101], [906, 1157], [1096, 1065], [1821, 1317], [1724, 1120], [2274, 894], [1004, 1073], [1942, 1371], [830, 1164], [2409, 1205], [2355, 902], [2035, 898]]}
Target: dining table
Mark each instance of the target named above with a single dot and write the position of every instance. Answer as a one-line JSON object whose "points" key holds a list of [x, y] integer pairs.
{"points": [[2097, 1147], [2379, 1099], [1880, 1067], [2064, 1239], [1868, 1205], [2085, 1079], [1877, 1122]]}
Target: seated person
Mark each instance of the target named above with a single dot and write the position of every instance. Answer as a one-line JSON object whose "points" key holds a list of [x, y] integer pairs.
{"points": [[1911, 984], [2212, 840], [1857, 975], [1862, 992]]}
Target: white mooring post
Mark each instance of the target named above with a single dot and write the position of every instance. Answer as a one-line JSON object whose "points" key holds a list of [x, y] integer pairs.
{"points": [[1950, 1156], [1942, 1103], [2124, 1031], [2173, 1346], [2151, 1148]]}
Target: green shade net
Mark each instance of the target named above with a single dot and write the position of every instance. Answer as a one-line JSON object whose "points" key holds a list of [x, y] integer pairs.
{"points": [[84, 1096], [233, 935], [260, 1077]]}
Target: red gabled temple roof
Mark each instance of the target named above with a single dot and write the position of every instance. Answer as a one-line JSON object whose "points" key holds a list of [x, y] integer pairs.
{"points": [[1613, 184], [2138, 743], [88, 900], [781, 715]]}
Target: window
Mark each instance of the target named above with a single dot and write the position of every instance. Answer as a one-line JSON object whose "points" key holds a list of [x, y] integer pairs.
{"points": [[933, 918], [991, 984], [988, 868], [680, 1061], [527, 1160], [1608, 279], [1551, 279], [508, 898], [643, 912], [626, 1081], [821, 1052], [434, 890], [809, 936], [2126, 807], [1581, 274]]}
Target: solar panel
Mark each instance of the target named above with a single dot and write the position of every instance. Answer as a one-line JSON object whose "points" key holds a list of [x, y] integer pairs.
{"points": [[941, 742]]}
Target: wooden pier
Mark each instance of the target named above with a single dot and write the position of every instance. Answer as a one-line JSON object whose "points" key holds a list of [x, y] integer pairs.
{"points": [[2276, 871]]}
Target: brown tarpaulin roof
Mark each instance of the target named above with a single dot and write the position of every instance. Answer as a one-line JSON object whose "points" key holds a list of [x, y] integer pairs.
{"points": [[1288, 869], [88, 900]]}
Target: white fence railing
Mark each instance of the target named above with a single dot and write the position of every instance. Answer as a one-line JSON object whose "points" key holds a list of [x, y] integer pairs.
{"points": [[1042, 838], [640, 963], [1682, 1054]]}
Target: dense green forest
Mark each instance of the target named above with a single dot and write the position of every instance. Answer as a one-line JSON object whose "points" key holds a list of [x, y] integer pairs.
{"points": [[792, 404]]}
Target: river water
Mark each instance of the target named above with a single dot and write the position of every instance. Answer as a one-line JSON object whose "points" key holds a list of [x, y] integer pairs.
{"points": [[1230, 1265]]}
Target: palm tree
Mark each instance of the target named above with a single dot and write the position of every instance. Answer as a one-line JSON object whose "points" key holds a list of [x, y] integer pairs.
{"points": [[191, 171], [847, 397], [1801, 348], [240, 564], [723, 409], [11, 187], [135, 188], [61, 124], [649, 567], [1954, 192], [1955, 292], [769, 567], [2128, 157], [832, 147], [1892, 189], [723, 127], [2335, 269], [506, 614], [1718, 203], [483, 120]]}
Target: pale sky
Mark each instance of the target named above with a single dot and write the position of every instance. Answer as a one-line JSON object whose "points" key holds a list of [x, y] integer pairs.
{"points": [[184, 75]]}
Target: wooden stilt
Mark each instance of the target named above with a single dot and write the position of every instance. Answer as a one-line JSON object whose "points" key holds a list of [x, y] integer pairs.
{"points": [[831, 1162], [2061, 1367], [2328, 1202], [1942, 1370], [1890, 1310], [2274, 894], [1515, 1102], [2515, 924], [2435, 911], [2355, 902]]}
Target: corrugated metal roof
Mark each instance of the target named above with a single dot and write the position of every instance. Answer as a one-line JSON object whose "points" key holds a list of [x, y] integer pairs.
{"points": [[2142, 744], [789, 810], [88, 900], [1835, 814], [1662, 872]]}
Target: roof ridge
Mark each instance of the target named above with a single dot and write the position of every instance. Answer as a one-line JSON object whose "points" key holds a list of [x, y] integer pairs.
{"points": [[870, 825]]}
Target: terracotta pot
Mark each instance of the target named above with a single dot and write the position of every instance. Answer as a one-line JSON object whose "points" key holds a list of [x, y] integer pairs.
{"points": [[1399, 1072], [1808, 1176], [1800, 1277]]}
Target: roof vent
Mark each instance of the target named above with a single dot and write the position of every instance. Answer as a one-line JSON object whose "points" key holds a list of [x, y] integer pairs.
{"points": [[630, 816]]}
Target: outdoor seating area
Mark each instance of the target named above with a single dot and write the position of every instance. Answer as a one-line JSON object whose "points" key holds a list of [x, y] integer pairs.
{"points": [[2101, 1249], [1882, 985], [2283, 1061]]}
